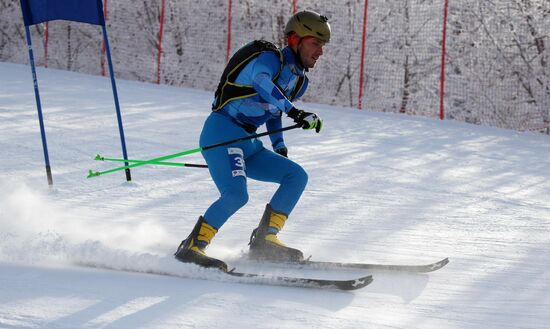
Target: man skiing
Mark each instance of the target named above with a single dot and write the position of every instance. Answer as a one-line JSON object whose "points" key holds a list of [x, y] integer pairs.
{"points": [[258, 86]]}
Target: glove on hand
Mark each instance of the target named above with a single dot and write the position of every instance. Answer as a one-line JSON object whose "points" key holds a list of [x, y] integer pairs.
{"points": [[282, 151], [308, 120]]}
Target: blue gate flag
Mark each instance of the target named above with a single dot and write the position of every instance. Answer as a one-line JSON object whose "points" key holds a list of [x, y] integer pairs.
{"points": [[84, 11]]}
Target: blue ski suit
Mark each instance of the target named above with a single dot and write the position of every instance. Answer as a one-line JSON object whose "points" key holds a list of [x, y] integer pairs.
{"points": [[230, 166]]}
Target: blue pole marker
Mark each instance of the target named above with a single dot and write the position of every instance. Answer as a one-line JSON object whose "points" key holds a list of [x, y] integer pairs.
{"points": [[39, 107], [117, 105], [84, 11]]}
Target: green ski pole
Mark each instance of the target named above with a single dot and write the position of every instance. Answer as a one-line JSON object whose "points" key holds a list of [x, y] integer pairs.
{"points": [[196, 150], [164, 163]]}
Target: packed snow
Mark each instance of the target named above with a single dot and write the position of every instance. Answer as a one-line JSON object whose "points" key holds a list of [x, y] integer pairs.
{"points": [[386, 188]]}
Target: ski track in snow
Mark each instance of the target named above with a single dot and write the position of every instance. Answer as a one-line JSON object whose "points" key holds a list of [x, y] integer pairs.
{"points": [[382, 188]]}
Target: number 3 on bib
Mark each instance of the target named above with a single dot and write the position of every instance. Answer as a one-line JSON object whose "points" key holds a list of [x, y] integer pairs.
{"points": [[236, 161]]}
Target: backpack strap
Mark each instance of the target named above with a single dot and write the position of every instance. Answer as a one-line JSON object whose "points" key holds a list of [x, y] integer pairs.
{"points": [[298, 87], [227, 89]]}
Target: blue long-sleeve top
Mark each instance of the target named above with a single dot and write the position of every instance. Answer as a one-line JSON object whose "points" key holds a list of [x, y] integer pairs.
{"points": [[270, 103]]}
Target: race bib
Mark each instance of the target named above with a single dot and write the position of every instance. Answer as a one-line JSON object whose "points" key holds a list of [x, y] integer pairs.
{"points": [[236, 161]]}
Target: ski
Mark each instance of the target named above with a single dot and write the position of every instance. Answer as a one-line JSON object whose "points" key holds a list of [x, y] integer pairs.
{"points": [[277, 280], [371, 266], [216, 274], [322, 265]]}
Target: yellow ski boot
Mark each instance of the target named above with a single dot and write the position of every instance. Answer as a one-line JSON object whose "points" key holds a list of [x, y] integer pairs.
{"points": [[264, 244], [191, 250]]}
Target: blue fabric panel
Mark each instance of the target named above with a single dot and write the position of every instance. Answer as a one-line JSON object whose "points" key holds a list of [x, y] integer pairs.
{"points": [[260, 164], [84, 11]]}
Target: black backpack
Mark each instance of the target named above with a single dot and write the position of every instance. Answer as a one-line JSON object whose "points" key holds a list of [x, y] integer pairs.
{"points": [[228, 91]]}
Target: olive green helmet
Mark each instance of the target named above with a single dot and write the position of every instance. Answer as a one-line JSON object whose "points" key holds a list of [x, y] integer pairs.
{"points": [[309, 23]]}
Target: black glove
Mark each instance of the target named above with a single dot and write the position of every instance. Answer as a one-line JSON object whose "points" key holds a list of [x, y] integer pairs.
{"points": [[307, 120], [282, 151]]}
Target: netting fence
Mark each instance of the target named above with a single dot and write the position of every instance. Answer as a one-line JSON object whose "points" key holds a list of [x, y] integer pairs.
{"points": [[481, 62]]}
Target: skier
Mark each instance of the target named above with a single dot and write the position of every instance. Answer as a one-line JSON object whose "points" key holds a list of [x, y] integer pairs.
{"points": [[258, 86]]}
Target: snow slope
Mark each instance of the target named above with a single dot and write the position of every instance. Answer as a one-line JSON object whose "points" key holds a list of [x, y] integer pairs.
{"points": [[383, 188]]}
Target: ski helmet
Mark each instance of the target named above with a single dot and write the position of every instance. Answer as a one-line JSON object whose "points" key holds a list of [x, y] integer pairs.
{"points": [[309, 23]]}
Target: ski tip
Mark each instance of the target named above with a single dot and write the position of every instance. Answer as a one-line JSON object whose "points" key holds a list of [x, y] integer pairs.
{"points": [[363, 282], [443, 262], [99, 158], [356, 283], [437, 265]]}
